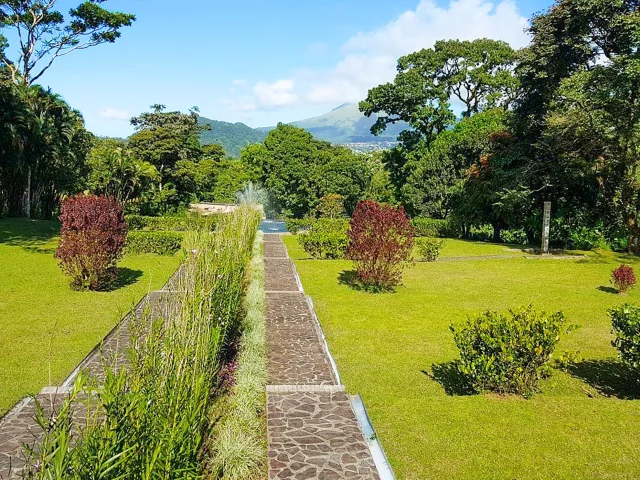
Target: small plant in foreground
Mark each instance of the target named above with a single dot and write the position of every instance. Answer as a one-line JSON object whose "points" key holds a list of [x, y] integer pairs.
{"points": [[92, 237], [508, 352], [380, 244], [625, 321], [623, 278], [429, 248]]}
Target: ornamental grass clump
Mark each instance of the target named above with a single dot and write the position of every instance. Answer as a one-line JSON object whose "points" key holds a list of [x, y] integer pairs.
{"points": [[380, 244], [625, 322], [149, 420], [92, 237], [508, 352], [623, 278]]}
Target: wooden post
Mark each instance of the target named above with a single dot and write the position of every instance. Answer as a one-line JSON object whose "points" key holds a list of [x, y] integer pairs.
{"points": [[546, 225]]}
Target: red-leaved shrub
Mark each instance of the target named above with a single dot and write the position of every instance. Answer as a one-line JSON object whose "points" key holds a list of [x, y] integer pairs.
{"points": [[623, 278], [92, 237], [380, 244]]}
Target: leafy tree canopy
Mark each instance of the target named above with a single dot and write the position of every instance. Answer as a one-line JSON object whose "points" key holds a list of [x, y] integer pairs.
{"points": [[44, 34]]}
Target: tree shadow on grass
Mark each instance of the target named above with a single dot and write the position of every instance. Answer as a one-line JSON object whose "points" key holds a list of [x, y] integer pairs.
{"points": [[454, 382], [32, 235], [609, 377], [602, 288], [350, 279], [126, 276]]}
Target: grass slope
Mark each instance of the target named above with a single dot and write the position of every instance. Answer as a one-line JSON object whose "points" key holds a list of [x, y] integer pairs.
{"points": [[46, 329], [395, 349]]}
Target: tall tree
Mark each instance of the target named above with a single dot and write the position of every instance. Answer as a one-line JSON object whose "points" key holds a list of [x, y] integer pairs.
{"points": [[478, 74], [44, 34], [163, 138], [579, 108]]}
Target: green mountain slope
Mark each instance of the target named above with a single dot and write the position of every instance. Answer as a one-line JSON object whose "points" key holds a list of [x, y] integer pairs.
{"points": [[232, 136], [344, 124]]}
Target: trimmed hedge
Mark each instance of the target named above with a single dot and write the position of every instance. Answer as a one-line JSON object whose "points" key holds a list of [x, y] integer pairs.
{"points": [[181, 223], [161, 243], [326, 238], [432, 227]]}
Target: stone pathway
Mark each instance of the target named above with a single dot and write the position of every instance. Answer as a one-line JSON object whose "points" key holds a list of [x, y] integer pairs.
{"points": [[18, 426], [312, 428]]}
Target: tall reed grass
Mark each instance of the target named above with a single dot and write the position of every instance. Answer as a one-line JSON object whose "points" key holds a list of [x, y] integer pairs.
{"points": [[237, 445], [149, 421]]}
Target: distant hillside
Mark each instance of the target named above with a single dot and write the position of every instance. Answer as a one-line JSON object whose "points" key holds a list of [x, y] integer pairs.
{"points": [[346, 124], [342, 125], [232, 136]]}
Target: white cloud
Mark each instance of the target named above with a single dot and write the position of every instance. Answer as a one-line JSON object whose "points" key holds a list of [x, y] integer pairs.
{"points": [[275, 95], [370, 58], [115, 114]]}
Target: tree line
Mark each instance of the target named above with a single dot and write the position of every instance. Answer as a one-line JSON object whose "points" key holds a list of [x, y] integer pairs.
{"points": [[493, 132], [556, 121]]}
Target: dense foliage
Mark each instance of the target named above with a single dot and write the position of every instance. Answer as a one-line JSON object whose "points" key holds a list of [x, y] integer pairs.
{"points": [[43, 143], [298, 170], [625, 320], [508, 352], [331, 206], [92, 238], [380, 244]]}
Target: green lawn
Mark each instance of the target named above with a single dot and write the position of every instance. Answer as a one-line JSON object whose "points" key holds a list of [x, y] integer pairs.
{"points": [[396, 348], [46, 329]]}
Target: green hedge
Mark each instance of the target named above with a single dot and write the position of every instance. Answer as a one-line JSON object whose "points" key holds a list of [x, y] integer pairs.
{"points": [[432, 227], [171, 223], [161, 243], [326, 238]]}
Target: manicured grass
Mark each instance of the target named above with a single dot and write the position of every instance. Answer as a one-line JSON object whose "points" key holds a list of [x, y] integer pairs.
{"points": [[46, 329], [396, 350]]}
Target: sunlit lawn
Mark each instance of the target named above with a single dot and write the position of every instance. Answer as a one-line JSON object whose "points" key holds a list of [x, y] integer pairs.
{"points": [[46, 329], [396, 348]]}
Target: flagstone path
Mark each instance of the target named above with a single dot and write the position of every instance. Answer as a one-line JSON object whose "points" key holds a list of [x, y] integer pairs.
{"points": [[312, 428]]}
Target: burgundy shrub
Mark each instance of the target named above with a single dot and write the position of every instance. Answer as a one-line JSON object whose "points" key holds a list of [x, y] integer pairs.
{"points": [[380, 244], [623, 278], [92, 237]]}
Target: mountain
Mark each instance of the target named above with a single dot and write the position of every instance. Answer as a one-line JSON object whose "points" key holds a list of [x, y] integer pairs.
{"points": [[346, 124], [232, 136], [342, 125]]}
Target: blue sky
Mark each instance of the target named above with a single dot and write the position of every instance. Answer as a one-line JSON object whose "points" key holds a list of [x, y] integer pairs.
{"points": [[262, 62]]}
